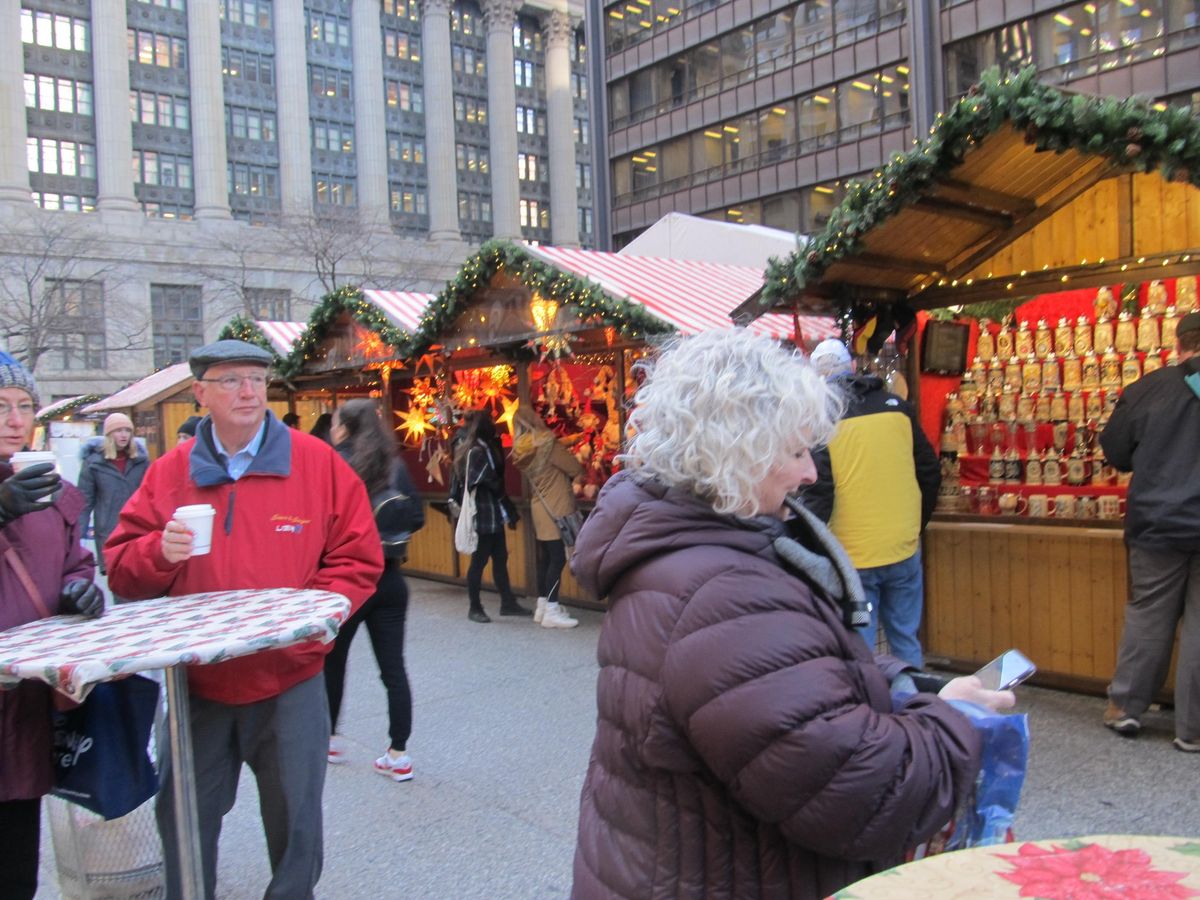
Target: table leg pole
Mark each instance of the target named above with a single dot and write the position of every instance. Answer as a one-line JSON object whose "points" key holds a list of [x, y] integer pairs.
{"points": [[187, 832]]}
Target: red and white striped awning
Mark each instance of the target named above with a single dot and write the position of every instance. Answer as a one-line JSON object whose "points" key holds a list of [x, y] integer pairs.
{"points": [[691, 295], [282, 335], [403, 308]]}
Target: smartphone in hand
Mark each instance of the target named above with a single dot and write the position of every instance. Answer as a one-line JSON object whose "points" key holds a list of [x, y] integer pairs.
{"points": [[1006, 671]]}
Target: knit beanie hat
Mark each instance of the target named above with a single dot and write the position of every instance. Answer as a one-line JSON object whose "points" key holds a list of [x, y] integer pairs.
{"points": [[15, 375], [831, 358], [115, 421]]}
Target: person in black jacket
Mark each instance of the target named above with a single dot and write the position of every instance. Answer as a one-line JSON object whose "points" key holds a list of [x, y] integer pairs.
{"points": [[361, 438], [1154, 432], [877, 484], [112, 470]]}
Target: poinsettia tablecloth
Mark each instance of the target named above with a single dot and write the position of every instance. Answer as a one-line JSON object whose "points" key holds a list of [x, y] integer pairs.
{"points": [[71, 653], [1139, 867]]}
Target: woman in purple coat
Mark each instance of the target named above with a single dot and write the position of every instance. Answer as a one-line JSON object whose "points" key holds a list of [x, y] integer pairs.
{"points": [[747, 743], [43, 571]]}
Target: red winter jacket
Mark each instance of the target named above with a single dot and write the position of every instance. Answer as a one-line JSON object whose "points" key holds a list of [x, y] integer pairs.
{"points": [[746, 745], [298, 518]]}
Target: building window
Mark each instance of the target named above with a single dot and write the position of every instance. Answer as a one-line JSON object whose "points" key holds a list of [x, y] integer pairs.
{"points": [[523, 73], [245, 12], [406, 150], [251, 124], [272, 304], [471, 158], [49, 156], [162, 50], [583, 176], [470, 109], [178, 322], [474, 208], [579, 86], [54, 30], [333, 137], [468, 61], [78, 322], [247, 65], [404, 96], [326, 28], [166, 169], [401, 45], [531, 214], [68, 202], [582, 130], [527, 167], [529, 122], [330, 82], [408, 200], [464, 19], [58, 94], [176, 5], [333, 190], [246, 180], [402, 9], [585, 220], [164, 110]]}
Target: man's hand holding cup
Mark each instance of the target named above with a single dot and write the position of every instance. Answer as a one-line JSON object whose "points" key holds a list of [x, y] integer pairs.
{"points": [[177, 540]]}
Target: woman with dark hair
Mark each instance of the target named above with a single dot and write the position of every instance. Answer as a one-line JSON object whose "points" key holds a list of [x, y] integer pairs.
{"points": [[322, 428], [360, 437], [479, 466]]}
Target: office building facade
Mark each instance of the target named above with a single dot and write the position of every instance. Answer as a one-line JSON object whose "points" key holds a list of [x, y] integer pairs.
{"points": [[176, 161], [760, 111]]}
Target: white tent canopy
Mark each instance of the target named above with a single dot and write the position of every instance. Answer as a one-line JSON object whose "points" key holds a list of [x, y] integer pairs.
{"points": [[680, 236]]}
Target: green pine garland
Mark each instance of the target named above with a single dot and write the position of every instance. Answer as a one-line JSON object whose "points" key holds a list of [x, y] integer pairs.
{"points": [[630, 319], [1129, 132], [240, 328], [346, 299], [68, 408]]}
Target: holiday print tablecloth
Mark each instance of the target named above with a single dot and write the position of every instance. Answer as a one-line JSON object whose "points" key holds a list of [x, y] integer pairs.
{"points": [[71, 653], [1139, 867]]}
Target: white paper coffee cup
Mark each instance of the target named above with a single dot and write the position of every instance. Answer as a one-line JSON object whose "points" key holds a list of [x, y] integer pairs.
{"points": [[23, 459], [199, 518]]}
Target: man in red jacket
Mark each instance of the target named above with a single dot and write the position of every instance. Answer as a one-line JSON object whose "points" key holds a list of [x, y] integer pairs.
{"points": [[289, 513]]}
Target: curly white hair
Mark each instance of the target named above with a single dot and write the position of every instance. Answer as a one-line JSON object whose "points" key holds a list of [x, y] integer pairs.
{"points": [[720, 410]]}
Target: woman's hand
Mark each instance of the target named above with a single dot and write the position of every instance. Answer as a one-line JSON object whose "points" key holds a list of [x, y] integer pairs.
{"points": [[971, 689]]}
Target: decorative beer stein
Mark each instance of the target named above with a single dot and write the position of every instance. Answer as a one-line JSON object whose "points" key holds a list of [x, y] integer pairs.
{"points": [[1031, 375], [1039, 506], [1094, 407], [1012, 504], [1156, 299], [1012, 374], [1024, 344], [1051, 469], [1063, 338], [1083, 336], [1077, 468], [1072, 371], [1091, 372], [1086, 507], [1131, 369], [995, 375], [995, 467], [1185, 294], [1126, 338], [987, 501], [1058, 407], [977, 433], [1075, 407], [1041, 409], [1005, 342], [1008, 404], [1043, 340], [1147, 333], [1025, 408], [1170, 322], [1152, 363], [1104, 333], [1110, 506], [1012, 466], [1059, 432], [954, 406], [1105, 303], [1033, 469], [1064, 506], [1110, 403], [1110, 370], [968, 501], [1051, 376], [978, 376], [985, 347]]}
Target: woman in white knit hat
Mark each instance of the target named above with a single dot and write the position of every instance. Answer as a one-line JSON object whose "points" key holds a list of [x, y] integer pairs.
{"points": [[112, 470]]}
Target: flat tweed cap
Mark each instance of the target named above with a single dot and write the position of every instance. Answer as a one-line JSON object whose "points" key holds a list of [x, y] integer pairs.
{"points": [[228, 351]]}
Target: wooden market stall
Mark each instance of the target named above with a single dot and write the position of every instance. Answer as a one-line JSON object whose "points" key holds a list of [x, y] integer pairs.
{"points": [[157, 404], [1022, 192]]}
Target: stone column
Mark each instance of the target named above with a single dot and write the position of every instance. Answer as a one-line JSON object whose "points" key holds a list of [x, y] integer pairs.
{"points": [[439, 120], [291, 102], [14, 170], [208, 112], [502, 116], [370, 131], [560, 130], [114, 133]]}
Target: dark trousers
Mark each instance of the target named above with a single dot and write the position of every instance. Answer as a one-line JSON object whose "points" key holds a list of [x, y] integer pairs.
{"points": [[551, 557], [384, 614], [495, 548], [284, 740], [20, 833]]}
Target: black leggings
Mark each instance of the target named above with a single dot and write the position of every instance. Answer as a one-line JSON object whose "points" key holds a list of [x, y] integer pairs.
{"points": [[20, 833], [551, 557], [495, 548], [384, 614]]}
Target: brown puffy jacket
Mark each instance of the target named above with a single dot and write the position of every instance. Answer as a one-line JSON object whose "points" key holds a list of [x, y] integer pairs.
{"points": [[746, 744]]}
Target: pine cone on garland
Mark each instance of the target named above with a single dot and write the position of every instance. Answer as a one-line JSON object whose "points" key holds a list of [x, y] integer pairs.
{"points": [[1133, 151], [1133, 134]]}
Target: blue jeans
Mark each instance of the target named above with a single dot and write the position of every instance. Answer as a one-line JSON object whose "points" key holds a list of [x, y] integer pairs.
{"points": [[896, 593]]}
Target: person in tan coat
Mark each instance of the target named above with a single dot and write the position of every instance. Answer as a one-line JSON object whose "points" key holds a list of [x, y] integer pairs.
{"points": [[550, 469]]}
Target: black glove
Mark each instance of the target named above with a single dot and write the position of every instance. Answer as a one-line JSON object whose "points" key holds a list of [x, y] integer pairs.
{"points": [[21, 493], [81, 597]]}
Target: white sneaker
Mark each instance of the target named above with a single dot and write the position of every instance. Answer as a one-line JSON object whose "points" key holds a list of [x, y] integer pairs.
{"points": [[540, 611], [557, 617], [337, 750], [398, 768]]}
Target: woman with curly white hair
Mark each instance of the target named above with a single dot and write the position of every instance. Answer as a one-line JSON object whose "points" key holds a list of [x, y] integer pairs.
{"points": [[747, 744]]}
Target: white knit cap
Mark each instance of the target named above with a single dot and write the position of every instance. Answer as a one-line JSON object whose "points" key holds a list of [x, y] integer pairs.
{"points": [[831, 358]]}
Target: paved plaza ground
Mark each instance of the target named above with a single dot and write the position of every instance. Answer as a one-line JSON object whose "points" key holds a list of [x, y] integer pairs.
{"points": [[503, 724]]}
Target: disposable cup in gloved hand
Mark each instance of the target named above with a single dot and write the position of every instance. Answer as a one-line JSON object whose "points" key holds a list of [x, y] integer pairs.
{"points": [[83, 597], [28, 490]]}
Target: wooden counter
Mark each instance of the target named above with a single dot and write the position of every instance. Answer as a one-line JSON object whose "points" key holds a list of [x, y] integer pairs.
{"points": [[1054, 590]]}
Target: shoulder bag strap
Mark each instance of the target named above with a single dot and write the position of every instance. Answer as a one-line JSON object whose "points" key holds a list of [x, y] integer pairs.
{"points": [[14, 560]]}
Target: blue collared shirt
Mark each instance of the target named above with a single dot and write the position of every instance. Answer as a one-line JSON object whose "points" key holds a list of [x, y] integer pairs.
{"points": [[240, 461]]}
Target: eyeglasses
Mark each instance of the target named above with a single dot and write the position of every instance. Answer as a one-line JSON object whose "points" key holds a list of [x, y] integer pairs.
{"points": [[26, 410], [231, 383]]}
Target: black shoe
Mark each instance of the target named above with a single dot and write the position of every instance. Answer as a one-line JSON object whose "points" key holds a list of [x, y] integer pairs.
{"points": [[515, 609], [478, 615]]}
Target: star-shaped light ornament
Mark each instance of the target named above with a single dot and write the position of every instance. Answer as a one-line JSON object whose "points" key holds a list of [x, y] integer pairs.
{"points": [[510, 410], [414, 422]]}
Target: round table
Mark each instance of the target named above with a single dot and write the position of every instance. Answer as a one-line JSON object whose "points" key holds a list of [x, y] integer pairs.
{"points": [[72, 653], [1099, 867]]}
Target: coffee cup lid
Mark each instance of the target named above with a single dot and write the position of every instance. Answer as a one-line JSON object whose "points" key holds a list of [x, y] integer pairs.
{"points": [[197, 509]]}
